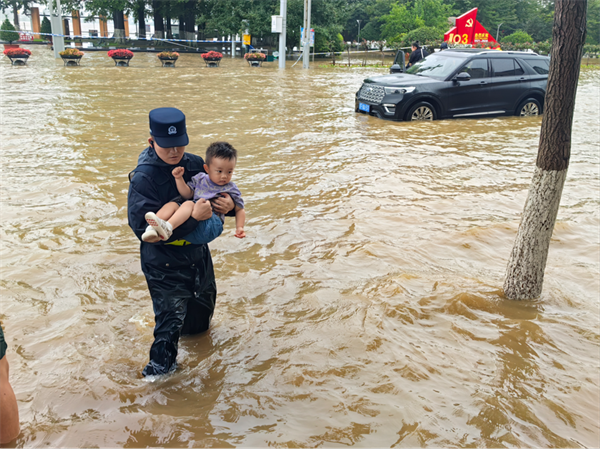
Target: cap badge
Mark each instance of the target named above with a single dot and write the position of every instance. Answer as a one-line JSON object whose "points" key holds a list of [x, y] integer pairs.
{"points": [[172, 130]]}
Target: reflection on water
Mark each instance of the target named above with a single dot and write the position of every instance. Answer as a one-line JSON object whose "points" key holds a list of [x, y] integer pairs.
{"points": [[363, 309]]}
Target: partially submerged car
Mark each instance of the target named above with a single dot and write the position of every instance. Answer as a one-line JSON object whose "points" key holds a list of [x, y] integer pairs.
{"points": [[458, 83]]}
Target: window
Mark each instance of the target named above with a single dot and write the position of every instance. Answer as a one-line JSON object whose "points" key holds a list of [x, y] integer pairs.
{"points": [[518, 69], [436, 65], [477, 68], [541, 66], [503, 67]]}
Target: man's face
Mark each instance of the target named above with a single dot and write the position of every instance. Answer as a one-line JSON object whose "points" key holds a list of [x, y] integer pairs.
{"points": [[171, 156], [414, 48]]}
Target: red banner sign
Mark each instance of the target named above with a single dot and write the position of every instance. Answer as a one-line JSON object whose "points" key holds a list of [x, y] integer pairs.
{"points": [[469, 31], [25, 37]]}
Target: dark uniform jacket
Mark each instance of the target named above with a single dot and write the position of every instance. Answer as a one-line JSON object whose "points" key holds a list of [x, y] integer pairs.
{"points": [[180, 278], [417, 55]]}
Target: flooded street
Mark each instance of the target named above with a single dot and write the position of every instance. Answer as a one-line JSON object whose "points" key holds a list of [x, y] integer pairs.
{"points": [[363, 309]]}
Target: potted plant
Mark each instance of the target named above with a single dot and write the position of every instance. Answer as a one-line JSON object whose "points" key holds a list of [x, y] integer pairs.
{"points": [[8, 34], [212, 58], [121, 56], [71, 56], [168, 58], [17, 56], [255, 59]]}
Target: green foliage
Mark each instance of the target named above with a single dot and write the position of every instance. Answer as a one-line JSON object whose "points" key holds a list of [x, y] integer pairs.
{"points": [[8, 32], [423, 35], [369, 32], [46, 27], [406, 17], [593, 22], [518, 37]]}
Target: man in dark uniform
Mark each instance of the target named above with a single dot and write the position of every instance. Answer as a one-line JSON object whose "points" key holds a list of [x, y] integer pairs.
{"points": [[179, 272], [417, 54]]}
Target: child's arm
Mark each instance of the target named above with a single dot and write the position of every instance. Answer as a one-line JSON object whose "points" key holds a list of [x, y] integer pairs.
{"points": [[240, 220], [183, 189]]}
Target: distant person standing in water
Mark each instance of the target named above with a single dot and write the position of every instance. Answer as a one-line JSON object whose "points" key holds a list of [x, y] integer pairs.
{"points": [[417, 54], [9, 412]]}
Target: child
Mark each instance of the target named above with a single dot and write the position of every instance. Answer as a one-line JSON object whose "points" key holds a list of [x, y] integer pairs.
{"points": [[220, 161]]}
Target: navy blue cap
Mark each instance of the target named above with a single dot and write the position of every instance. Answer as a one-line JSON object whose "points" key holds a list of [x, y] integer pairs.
{"points": [[167, 126]]}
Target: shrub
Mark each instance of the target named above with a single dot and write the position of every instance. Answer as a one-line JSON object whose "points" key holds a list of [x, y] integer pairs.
{"points": [[255, 56], [120, 53], [71, 52], [17, 52], [8, 33], [46, 27], [423, 35], [168, 55], [212, 55], [518, 37]]}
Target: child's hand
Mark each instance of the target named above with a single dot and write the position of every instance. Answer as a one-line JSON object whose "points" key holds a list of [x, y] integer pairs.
{"points": [[178, 172], [240, 233]]}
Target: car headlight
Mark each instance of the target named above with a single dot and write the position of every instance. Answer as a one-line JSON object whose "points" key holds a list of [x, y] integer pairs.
{"points": [[398, 90]]}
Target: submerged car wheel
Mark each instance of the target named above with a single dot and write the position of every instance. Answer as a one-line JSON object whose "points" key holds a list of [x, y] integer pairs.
{"points": [[529, 107], [421, 111]]}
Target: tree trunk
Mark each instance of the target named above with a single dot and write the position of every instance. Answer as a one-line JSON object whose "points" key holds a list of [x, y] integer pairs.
{"points": [[168, 30], [16, 17], [181, 27], [527, 262], [141, 18], [119, 23], [190, 20], [159, 25]]}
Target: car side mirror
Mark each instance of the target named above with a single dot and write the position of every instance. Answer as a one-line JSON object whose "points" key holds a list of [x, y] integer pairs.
{"points": [[462, 76], [396, 68]]}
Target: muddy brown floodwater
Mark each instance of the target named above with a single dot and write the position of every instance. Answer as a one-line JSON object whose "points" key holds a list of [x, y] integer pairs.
{"points": [[364, 308]]}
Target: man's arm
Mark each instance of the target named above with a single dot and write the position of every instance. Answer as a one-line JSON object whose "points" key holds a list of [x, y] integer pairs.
{"points": [[206, 231]]}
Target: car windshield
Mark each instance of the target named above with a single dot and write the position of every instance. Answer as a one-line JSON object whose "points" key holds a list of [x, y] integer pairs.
{"points": [[436, 66]]}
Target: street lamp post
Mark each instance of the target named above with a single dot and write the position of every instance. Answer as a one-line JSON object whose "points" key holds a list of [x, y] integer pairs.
{"points": [[358, 36], [498, 31]]}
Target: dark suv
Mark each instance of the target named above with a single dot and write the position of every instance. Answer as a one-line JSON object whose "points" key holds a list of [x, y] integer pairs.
{"points": [[459, 83]]}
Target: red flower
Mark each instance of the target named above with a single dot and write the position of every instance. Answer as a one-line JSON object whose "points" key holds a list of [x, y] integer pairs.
{"points": [[212, 55], [17, 52], [120, 53], [255, 56]]}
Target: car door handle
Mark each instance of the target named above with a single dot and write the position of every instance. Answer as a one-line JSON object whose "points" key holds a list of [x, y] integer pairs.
{"points": [[522, 78], [482, 82]]}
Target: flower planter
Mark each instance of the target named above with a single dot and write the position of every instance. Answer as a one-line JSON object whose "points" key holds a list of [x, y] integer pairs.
{"points": [[121, 57], [121, 62], [212, 62], [255, 59], [8, 46], [71, 60], [18, 60], [212, 58], [17, 56], [168, 62]]}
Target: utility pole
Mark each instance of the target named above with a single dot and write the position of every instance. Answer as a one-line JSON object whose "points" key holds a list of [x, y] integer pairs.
{"points": [[58, 42], [306, 49], [282, 36]]}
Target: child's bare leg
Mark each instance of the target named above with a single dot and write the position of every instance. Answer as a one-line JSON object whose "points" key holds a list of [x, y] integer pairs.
{"points": [[167, 211], [182, 214]]}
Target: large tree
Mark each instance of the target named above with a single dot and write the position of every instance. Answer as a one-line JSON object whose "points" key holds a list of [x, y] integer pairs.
{"points": [[525, 272]]}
